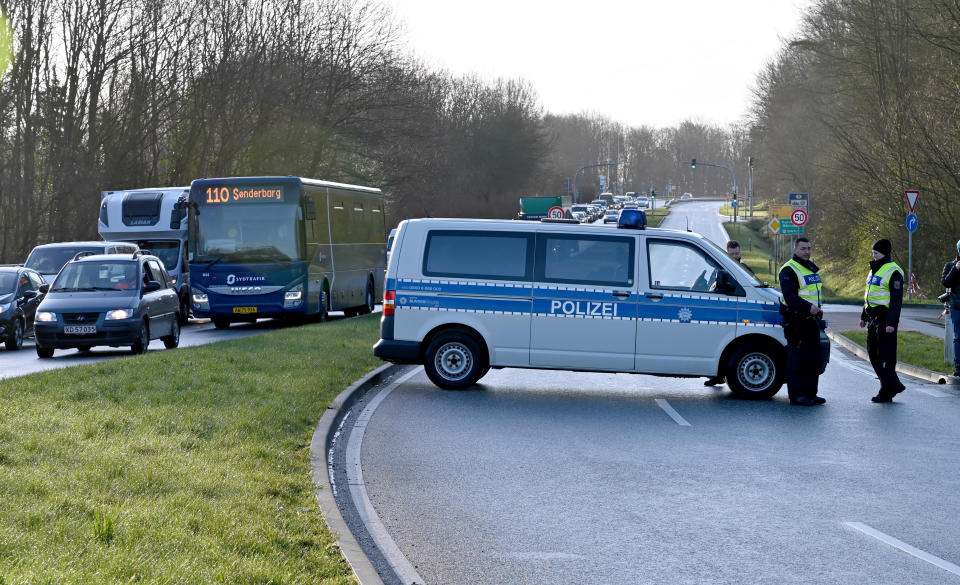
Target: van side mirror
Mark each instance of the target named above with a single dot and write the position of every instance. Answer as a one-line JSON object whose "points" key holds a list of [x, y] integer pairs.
{"points": [[726, 283]]}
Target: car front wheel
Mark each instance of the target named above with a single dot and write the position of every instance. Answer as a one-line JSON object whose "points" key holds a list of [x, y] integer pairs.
{"points": [[44, 352], [755, 372], [454, 361], [15, 340], [142, 341]]}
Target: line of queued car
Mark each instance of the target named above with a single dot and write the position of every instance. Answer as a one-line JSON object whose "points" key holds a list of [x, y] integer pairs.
{"points": [[104, 294]]}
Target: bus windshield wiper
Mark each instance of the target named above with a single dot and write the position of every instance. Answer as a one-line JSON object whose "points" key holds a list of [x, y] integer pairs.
{"points": [[214, 261]]}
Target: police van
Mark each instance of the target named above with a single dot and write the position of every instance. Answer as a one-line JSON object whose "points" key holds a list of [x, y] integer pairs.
{"points": [[466, 295]]}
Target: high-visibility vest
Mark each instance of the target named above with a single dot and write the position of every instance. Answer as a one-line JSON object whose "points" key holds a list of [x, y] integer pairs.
{"points": [[877, 293], [810, 283]]}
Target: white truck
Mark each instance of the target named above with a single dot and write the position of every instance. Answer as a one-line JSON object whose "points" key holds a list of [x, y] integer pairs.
{"points": [[156, 220]]}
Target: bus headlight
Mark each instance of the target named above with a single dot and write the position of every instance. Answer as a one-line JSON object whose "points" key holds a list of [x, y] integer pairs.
{"points": [[118, 314], [293, 297], [46, 317], [201, 301]]}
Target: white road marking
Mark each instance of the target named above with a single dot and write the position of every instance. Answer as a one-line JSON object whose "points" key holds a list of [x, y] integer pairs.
{"points": [[673, 413], [910, 550], [395, 557]]}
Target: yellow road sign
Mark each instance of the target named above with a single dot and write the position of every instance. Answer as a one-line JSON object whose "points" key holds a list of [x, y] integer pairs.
{"points": [[781, 211]]}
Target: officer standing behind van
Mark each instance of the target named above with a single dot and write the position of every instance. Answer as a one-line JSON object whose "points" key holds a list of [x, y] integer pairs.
{"points": [[951, 280], [801, 287], [881, 313]]}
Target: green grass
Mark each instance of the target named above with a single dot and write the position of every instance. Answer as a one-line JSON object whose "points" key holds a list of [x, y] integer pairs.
{"points": [[179, 466], [754, 250], [744, 211], [913, 348], [655, 216]]}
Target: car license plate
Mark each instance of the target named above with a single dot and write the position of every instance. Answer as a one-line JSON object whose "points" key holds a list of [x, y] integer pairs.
{"points": [[244, 309], [79, 329]]}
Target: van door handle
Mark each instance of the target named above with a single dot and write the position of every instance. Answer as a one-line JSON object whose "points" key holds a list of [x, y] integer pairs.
{"points": [[621, 295], [654, 296]]}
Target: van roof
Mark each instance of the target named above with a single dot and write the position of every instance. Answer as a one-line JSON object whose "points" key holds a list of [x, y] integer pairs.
{"points": [[512, 224], [75, 244]]}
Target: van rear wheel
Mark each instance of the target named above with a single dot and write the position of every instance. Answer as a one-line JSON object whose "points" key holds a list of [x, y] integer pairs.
{"points": [[755, 372], [454, 361]]}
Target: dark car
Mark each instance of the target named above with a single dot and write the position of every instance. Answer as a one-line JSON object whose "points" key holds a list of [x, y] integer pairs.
{"points": [[109, 299], [20, 293]]}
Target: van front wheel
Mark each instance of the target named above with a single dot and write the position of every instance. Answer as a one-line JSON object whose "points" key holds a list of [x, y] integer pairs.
{"points": [[754, 372], [454, 361]]}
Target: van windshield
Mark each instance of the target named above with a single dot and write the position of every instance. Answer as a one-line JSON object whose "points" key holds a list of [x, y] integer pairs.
{"points": [[51, 260], [168, 251]]}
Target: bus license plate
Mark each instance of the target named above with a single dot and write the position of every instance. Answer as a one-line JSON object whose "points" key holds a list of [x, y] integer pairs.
{"points": [[79, 329], [244, 309]]}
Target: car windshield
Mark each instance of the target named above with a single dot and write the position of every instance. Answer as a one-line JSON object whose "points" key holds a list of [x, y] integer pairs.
{"points": [[8, 283], [51, 260], [168, 251], [108, 275]]}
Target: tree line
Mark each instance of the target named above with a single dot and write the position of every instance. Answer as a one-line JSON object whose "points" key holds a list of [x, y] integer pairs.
{"points": [[113, 94]]}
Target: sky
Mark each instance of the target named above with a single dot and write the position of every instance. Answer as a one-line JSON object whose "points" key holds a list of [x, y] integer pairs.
{"points": [[638, 62]]}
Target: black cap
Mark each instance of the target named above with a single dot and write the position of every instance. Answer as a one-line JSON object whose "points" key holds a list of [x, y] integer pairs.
{"points": [[883, 246]]}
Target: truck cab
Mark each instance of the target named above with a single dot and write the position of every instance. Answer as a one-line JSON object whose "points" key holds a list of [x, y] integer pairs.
{"points": [[156, 220]]}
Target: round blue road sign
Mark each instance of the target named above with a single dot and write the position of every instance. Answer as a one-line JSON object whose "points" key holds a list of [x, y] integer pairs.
{"points": [[912, 222]]}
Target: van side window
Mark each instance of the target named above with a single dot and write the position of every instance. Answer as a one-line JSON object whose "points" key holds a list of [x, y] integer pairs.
{"points": [[584, 259], [475, 254], [680, 266]]}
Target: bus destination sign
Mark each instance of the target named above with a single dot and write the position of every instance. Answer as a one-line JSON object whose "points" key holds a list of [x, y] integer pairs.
{"points": [[244, 194]]}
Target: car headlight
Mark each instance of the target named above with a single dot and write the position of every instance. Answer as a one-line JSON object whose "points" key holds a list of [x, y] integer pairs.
{"points": [[118, 314], [294, 294], [46, 317]]}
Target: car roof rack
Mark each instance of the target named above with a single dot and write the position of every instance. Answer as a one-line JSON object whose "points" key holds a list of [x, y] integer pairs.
{"points": [[84, 254], [137, 253]]}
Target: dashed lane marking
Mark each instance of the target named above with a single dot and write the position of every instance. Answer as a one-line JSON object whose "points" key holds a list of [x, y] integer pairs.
{"points": [[673, 413], [910, 550]]}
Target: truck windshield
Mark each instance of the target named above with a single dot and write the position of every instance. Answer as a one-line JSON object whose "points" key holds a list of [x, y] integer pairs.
{"points": [[168, 251], [248, 233]]}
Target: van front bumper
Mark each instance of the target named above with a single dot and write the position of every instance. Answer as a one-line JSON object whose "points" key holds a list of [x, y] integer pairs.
{"points": [[398, 352]]}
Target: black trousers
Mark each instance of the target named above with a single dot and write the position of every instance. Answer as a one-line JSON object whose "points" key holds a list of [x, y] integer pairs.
{"points": [[882, 348], [803, 357]]}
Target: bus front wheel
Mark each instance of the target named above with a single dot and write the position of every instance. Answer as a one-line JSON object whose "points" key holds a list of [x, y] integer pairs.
{"points": [[221, 323]]}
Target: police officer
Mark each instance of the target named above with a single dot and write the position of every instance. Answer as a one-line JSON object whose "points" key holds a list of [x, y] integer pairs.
{"points": [[882, 300], [951, 280], [801, 287]]}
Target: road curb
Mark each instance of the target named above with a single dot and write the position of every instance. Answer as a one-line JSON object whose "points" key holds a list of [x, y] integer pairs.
{"points": [[327, 428], [915, 371]]}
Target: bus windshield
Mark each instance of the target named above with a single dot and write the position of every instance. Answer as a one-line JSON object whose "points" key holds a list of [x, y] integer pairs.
{"points": [[247, 233]]}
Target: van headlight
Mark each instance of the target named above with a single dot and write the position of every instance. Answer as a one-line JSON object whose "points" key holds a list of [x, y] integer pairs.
{"points": [[46, 317], [118, 314], [293, 297]]}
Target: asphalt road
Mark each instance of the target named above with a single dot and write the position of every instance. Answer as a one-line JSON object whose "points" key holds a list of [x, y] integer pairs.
{"points": [[198, 332], [559, 477], [702, 217]]}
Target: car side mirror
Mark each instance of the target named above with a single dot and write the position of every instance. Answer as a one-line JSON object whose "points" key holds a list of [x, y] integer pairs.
{"points": [[151, 286], [29, 294], [44, 288]]}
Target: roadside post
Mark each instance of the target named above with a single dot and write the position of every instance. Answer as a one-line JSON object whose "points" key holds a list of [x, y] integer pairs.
{"points": [[913, 222]]}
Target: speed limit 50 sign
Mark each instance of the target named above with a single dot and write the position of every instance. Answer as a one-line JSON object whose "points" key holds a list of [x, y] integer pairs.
{"points": [[799, 217]]}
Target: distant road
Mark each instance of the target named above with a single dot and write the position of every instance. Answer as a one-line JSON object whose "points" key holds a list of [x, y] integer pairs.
{"points": [[702, 217]]}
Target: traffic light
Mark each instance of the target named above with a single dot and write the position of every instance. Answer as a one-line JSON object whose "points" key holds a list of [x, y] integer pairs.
{"points": [[693, 163], [734, 196], [653, 192]]}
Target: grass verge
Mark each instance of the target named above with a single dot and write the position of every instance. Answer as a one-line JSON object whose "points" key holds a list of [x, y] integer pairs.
{"points": [[913, 348], [180, 466], [655, 216], [744, 211]]}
